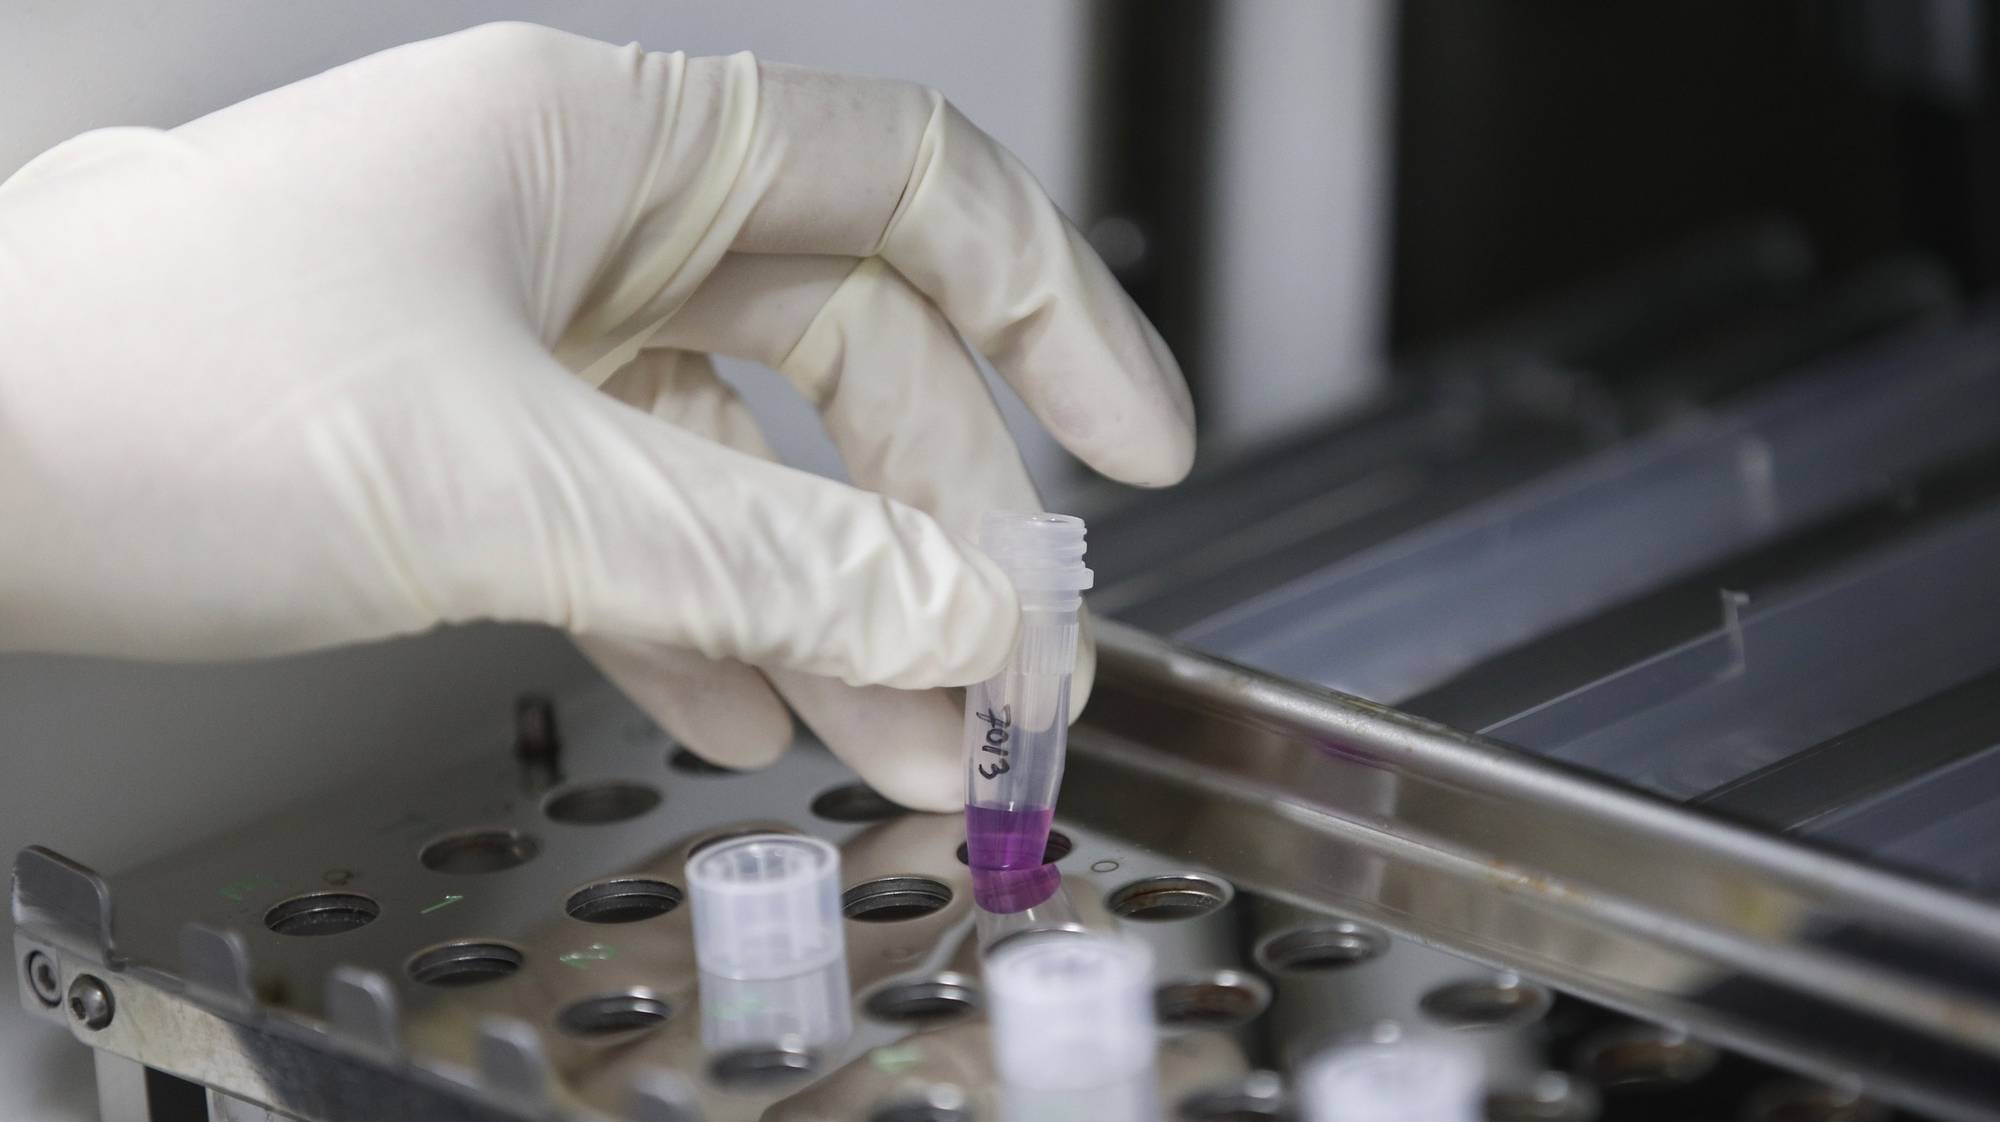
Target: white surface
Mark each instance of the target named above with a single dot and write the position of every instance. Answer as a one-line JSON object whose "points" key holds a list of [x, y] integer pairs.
{"points": [[112, 761], [1300, 237]]}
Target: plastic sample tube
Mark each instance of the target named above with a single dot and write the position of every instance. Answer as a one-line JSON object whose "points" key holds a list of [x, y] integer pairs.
{"points": [[766, 906], [1017, 903], [1073, 1032], [1412, 1080], [769, 941], [814, 1008], [1017, 722], [1011, 891]]}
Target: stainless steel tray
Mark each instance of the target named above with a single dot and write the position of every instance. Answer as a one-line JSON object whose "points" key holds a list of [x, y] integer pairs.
{"points": [[1304, 864]]}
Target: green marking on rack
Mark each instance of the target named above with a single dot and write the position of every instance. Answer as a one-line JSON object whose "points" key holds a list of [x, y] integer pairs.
{"points": [[596, 952], [447, 902], [237, 890], [897, 1059]]}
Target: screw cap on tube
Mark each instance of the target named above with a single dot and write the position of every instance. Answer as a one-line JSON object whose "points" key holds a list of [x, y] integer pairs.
{"points": [[1070, 1011], [766, 906], [1416, 1080], [1039, 552]]}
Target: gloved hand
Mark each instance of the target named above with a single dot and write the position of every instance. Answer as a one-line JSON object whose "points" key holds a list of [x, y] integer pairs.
{"points": [[421, 339]]}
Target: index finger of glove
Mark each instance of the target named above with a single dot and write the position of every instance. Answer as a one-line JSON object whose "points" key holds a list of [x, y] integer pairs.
{"points": [[628, 175], [866, 167]]}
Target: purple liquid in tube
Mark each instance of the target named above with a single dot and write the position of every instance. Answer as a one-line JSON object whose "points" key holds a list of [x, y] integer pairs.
{"points": [[996, 838], [1017, 721], [1007, 891]]}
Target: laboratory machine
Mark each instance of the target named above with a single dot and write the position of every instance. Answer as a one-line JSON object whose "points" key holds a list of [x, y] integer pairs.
{"points": [[1603, 724], [1639, 740]]}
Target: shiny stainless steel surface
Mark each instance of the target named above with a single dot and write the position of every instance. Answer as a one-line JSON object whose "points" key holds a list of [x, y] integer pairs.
{"points": [[426, 948], [1302, 865], [1771, 605], [1785, 951], [1407, 613]]}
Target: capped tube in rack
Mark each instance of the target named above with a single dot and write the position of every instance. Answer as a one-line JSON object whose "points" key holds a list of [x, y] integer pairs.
{"points": [[1402, 1080], [1073, 1030], [1017, 722], [766, 906]]}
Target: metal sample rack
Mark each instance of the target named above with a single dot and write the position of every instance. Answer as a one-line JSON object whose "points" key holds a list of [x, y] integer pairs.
{"points": [[507, 940]]}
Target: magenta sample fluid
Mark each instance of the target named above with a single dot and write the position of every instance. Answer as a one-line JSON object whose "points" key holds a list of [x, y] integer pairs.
{"points": [[997, 838], [1010, 891], [1004, 848], [1017, 722]]}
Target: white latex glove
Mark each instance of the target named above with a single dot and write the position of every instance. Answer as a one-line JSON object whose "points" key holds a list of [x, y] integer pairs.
{"points": [[420, 339]]}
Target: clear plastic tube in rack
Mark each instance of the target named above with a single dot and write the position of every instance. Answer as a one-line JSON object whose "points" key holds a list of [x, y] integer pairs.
{"points": [[1074, 1037], [1423, 1079], [1017, 722], [1019, 902], [769, 941]]}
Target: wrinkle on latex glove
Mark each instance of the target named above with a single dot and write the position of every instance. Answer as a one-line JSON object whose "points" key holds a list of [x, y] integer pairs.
{"points": [[720, 709], [904, 742], [698, 545], [337, 382]]}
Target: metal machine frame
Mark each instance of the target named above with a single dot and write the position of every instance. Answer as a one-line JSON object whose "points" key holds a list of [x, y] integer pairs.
{"points": [[1316, 801]]}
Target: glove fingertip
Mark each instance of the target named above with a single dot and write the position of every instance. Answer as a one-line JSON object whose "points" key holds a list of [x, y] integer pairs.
{"points": [[904, 743], [913, 783], [751, 741], [959, 612], [1084, 678], [724, 712], [989, 636]]}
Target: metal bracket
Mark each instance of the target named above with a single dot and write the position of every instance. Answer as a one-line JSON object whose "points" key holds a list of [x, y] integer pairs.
{"points": [[61, 900], [361, 1005], [511, 1061], [218, 962], [662, 1096]]}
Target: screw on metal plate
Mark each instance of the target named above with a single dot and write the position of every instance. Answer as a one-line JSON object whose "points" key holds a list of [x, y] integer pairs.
{"points": [[218, 962], [361, 1004], [537, 745], [59, 898], [44, 980], [663, 1096], [511, 1061], [90, 1003]]}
